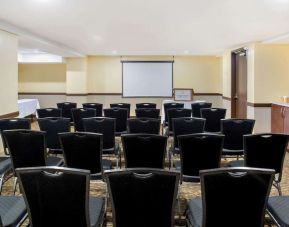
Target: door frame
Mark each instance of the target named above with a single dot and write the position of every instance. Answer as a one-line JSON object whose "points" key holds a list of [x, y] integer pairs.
{"points": [[234, 53]]}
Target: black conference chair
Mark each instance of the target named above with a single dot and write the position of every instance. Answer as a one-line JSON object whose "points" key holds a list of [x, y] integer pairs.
{"points": [[144, 150], [52, 126], [278, 209], [171, 105], [66, 109], [213, 118], [144, 125], [12, 211], [121, 105], [9, 124], [265, 150], [48, 112], [185, 126], [146, 105], [96, 106], [78, 114], [234, 130], [198, 152], [27, 148], [106, 127], [5, 161], [197, 106], [147, 113], [121, 116], [143, 197], [231, 197], [83, 150], [176, 113], [59, 197]]}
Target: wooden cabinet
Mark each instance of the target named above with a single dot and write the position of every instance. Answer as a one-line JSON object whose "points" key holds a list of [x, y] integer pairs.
{"points": [[277, 118], [280, 119]]}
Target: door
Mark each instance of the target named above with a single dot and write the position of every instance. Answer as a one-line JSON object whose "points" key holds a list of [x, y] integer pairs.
{"points": [[239, 84]]}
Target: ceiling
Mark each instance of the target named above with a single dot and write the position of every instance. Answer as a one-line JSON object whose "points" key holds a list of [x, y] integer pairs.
{"points": [[143, 27]]}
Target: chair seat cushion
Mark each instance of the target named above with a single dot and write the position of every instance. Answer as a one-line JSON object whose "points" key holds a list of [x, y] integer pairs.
{"points": [[5, 164], [54, 161], [278, 206], [12, 210], [232, 152], [106, 164], [96, 211], [113, 150], [236, 163], [195, 212]]}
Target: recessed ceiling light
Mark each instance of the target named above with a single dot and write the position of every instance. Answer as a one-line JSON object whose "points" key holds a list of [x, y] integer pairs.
{"points": [[114, 52]]}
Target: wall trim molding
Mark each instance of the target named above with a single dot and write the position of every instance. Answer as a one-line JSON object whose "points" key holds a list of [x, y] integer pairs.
{"points": [[76, 94], [226, 98], [209, 94], [104, 93], [41, 93], [259, 104], [10, 115], [86, 94]]}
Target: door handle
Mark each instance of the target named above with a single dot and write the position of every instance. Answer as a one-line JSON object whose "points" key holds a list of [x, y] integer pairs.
{"points": [[235, 97]]}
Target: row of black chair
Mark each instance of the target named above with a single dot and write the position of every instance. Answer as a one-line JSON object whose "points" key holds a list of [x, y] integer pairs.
{"points": [[143, 197]]}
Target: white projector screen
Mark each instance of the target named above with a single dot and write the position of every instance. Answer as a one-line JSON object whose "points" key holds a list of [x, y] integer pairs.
{"points": [[147, 78]]}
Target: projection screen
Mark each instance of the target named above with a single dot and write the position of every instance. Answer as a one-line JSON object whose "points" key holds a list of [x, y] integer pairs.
{"points": [[147, 78]]}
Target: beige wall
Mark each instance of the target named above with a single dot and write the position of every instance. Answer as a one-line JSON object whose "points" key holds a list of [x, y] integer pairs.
{"points": [[104, 74], [8, 73], [76, 76], [271, 72], [42, 78], [203, 74], [226, 77]]}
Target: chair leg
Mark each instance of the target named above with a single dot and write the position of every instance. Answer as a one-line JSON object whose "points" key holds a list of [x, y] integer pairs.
{"points": [[278, 186], [1, 182], [15, 185]]}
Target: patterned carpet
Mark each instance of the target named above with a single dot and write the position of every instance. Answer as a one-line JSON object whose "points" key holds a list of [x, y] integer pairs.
{"points": [[187, 191]]}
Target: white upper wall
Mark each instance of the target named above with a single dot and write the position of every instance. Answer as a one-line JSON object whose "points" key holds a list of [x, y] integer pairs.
{"points": [[8, 73]]}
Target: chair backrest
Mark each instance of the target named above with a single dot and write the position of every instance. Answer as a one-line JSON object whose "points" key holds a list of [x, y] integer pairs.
{"points": [[66, 109], [82, 150], [147, 113], [144, 150], [235, 196], [197, 106], [49, 112], [146, 105], [26, 147], [52, 126], [96, 106], [266, 151], [104, 126], [177, 113], [143, 197], [78, 114], [15, 123], [56, 196], [143, 125], [213, 118], [170, 105], [198, 152], [120, 115], [185, 126], [234, 130], [121, 105]]}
